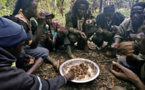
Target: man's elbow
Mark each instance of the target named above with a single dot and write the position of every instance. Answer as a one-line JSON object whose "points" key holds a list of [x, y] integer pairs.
{"points": [[33, 45]]}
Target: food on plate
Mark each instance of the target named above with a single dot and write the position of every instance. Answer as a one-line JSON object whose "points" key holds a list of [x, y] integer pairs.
{"points": [[80, 71]]}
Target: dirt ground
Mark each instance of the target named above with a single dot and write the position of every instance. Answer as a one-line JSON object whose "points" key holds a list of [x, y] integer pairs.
{"points": [[105, 81]]}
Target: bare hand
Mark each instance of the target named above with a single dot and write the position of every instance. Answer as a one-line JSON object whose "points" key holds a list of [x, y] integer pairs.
{"points": [[115, 45], [48, 34], [83, 35], [88, 22], [125, 73], [100, 30], [41, 17], [69, 76], [126, 48], [139, 36]]}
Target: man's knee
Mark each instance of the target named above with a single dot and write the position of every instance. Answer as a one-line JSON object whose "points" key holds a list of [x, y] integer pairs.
{"points": [[73, 38], [44, 52], [37, 52]]}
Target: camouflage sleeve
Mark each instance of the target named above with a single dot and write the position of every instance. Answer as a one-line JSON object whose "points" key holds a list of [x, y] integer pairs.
{"points": [[58, 25], [121, 32], [108, 33], [141, 57], [69, 24]]}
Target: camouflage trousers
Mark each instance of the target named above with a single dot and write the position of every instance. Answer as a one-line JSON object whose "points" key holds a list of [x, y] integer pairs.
{"points": [[77, 38]]}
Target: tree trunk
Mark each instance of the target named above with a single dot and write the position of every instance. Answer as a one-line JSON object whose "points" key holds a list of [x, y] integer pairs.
{"points": [[130, 3], [105, 3], [108, 3], [100, 8], [55, 4], [133, 2]]}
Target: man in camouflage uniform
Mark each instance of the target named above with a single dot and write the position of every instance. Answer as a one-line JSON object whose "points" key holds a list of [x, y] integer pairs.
{"points": [[130, 27], [79, 23], [134, 64]]}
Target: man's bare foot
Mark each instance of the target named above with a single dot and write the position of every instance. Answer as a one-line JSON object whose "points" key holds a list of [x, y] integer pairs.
{"points": [[72, 56], [56, 65]]}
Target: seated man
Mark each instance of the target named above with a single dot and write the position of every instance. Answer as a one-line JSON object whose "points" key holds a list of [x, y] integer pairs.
{"points": [[132, 68], [12, 37], [106, 23], [79, 23], [54, 35], [130, 26], [29, 10]]}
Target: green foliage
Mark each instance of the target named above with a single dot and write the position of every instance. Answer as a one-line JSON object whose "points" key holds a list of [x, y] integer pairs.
{"points": [[49, 5], [6, 8], [2, 1], [58, 3], [124, 11]]}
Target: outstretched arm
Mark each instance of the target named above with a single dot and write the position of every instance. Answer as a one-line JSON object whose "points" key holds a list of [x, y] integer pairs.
{"points": [[127, 75]]}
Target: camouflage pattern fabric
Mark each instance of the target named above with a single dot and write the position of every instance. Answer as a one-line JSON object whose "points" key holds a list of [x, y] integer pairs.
{"points": [[125, 29], [73, 32]]}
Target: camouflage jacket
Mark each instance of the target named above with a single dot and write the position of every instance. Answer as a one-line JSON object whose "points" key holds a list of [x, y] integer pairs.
{"points": [[123, 33], [125, 29], [80, 24]]}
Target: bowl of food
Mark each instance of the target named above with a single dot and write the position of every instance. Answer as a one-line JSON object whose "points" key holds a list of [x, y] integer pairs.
{"points": [[84, 70]]}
